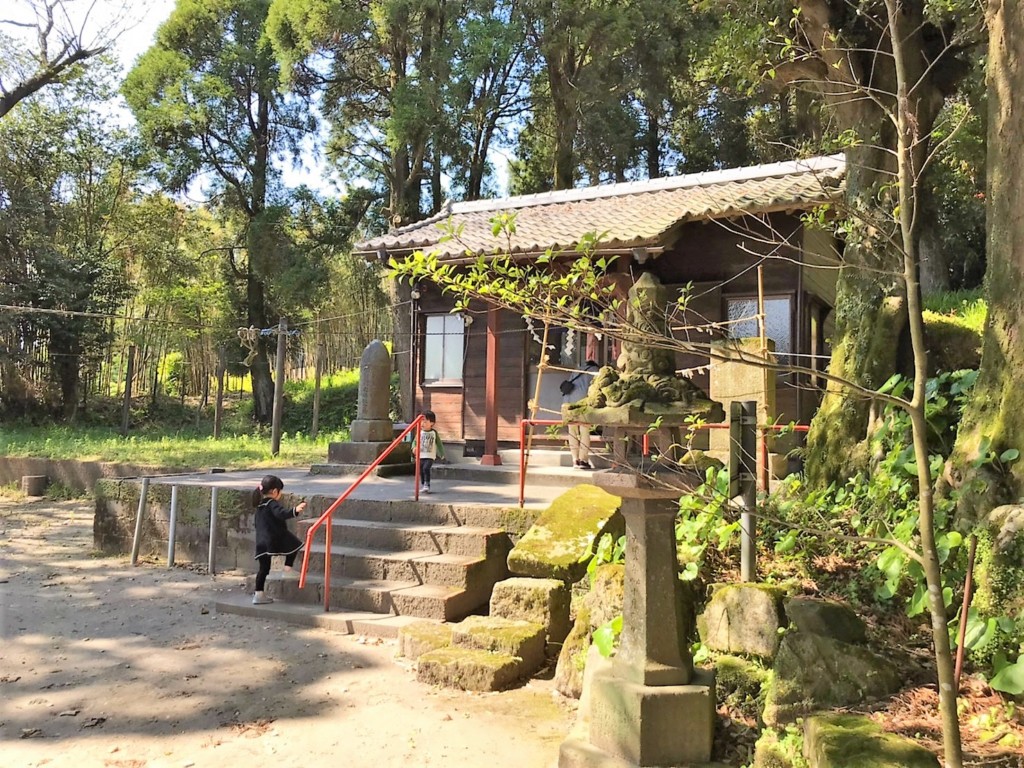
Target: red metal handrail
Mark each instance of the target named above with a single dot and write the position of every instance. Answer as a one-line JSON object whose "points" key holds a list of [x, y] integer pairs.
{"points": [[762, 459], [326, 516]]}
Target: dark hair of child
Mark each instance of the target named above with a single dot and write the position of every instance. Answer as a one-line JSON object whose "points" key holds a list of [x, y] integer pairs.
{"points": [[267, 484], [429, 416]]}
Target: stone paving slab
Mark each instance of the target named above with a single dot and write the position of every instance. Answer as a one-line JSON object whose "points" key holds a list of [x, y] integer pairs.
{"points": [[483, 489]]}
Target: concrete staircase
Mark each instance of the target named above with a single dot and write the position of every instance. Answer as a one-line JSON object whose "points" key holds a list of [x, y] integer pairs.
{"points": [[404, 559]]}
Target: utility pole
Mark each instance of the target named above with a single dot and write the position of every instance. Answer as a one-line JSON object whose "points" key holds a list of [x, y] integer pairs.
{"points": [[218, 411], [320, 351], [127, 405], [743, 480], [275, 428]]}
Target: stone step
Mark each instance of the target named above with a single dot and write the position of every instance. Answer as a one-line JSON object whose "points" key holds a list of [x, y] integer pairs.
{"points": [[400, 598], [416, 567], [470, 669], [432, 510], [442, 539], [349, 622], [442, 603], [522, 639], [346, 592], [553, 468], [543, 458]]}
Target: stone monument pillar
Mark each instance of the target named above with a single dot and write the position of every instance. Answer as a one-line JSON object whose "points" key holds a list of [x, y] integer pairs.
{"points": [[650, 707], [372, 431]]}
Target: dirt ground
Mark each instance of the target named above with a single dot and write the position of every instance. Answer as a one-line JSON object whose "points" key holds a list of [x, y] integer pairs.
{"points": [[103, 664]]}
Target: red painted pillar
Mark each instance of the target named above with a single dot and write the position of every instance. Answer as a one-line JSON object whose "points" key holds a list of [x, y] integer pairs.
{"points": [[491, 457]]}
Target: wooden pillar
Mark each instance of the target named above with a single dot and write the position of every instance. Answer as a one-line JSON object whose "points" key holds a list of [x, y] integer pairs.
{"points": [[490, 456]]}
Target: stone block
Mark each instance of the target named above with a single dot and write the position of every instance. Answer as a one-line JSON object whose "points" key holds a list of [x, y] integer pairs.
{"points": [[367, 453], [825, 617], [813, 672], [606, 594], [469, 669], [743, 618], [524, 639], [371, 431], [654, 725], [34, 485], [572, 658], [542, 601], [560, 542], [422, 637], [837, 741]]}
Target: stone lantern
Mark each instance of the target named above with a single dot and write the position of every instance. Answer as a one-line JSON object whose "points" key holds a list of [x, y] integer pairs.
{"points": [[650, 707]]}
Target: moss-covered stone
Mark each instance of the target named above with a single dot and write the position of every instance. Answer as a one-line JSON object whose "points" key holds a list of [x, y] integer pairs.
{"points": [[542, 601], [813, 672], [825, 617], [783, 749], [524, 639], [952, 343], [572, 659], [999, 576], [740, 684], [604, 600], [855, 741], [560, 543], [699, 462], [422, 637], [743, 618], [515, 520], [469, 669]]}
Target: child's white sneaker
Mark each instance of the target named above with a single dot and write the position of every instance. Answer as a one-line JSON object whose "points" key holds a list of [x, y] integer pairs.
{"points": [[260, 598], [426, 489]]}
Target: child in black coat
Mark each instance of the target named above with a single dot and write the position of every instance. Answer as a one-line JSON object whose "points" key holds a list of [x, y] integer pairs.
{"points": [[272, 534]]}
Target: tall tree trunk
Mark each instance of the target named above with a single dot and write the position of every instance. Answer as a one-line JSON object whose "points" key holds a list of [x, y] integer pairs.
{"points": [[996, 408], [258, 265], [871, 308], [652, 143], [566, 121], [870, 315]]}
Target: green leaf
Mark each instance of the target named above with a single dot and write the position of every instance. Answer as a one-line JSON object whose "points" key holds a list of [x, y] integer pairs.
{"points": [[690, 572], [786, 543], [606, 635], [919, 602], [1010, 454], [890, 562], [979, 631], [1010, 679]]}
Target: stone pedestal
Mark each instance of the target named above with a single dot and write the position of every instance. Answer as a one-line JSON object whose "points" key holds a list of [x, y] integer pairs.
{"points": [[651, 708], [642, 725], [372, 430]]}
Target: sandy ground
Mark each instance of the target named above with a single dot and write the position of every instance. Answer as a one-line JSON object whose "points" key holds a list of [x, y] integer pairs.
{"points": [[103, 664]]}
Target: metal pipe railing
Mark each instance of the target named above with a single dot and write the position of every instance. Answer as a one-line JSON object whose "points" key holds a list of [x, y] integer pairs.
{"points": [[762, 459], [326, 516]]}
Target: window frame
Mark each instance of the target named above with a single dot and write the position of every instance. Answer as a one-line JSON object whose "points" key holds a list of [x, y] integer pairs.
{"points": [[427, 336], [781, 357]]}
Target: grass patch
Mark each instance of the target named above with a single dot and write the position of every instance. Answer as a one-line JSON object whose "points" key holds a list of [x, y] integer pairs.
{"points": [[178, 435], [162, 447], [968, 306]]}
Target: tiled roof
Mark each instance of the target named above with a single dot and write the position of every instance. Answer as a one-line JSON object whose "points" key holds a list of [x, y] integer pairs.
{"points": [[626, 215]]}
